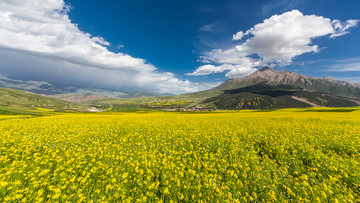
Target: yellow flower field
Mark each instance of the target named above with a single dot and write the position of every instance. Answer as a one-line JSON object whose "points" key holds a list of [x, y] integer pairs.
{"points": [[306, 155]]}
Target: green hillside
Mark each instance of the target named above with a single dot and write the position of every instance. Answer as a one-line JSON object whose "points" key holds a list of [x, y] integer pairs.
{"points": [[262, 96], [15, 101]]}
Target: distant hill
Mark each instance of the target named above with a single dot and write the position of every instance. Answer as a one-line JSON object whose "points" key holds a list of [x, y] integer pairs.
{"points": [[270, 76], [79, 98], [72, 93], [38, 87], [268, 88], [91, 97], [26, 100], [46, 88], [146, 94]]}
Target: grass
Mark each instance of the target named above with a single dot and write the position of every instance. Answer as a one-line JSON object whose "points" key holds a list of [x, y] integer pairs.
{"points": [[22, 99]]}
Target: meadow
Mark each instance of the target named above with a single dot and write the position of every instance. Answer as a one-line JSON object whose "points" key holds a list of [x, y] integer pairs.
{"points": [[305, 155]]}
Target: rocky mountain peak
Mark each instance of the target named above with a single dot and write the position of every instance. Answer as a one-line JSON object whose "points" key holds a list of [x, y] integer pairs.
{"points": [[265, 72], [341, 82], [265, 68], [329, 78]]}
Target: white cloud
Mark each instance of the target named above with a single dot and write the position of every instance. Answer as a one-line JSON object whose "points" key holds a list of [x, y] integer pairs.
{"points": [[210, 69], [277, 40], [340, 28], [206, 70], [350, 64], [239, 71], [100, 40], [233, 70], [41, 29], [239, 35], [282, 37], [209, 27]]}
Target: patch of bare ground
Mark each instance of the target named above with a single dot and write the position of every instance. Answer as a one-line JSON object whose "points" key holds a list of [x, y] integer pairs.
{"points": [[300, 99]]}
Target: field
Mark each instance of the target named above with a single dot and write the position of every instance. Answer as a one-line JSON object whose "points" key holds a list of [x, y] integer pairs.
{"points": [[305, 155]]}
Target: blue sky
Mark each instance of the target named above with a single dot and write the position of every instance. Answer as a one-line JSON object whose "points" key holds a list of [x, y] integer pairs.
{"points": [[176, 46]]}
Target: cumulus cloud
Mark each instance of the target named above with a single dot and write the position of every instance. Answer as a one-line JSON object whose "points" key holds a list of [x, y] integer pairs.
{"points": [[276, 41], [39, 33], [341, 28], [239, 35], [233, 70]]}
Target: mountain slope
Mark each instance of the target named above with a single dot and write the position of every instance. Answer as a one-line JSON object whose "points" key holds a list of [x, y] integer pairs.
{"points": [[46, 88], [22, 99], [270, 76], [264, 96], [38, 87], [268, 88], [72, 93]]}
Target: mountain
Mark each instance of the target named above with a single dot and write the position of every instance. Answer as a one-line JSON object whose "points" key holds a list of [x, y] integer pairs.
{"points": [[90, 97], [83, 98], [72, 93], [38, 87], [146, 94], [268, 88], [18, 99], [263, 89], [46, 88], [341, 82], [270, 76]]}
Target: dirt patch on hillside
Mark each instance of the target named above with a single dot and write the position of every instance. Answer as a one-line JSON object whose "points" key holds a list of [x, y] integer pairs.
{"points": [[300, 99]]}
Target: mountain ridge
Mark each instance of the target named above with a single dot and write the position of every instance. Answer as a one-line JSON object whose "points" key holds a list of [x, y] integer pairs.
{"points": [[70, 92], [270, 76], [268, 88], [11, 99]]}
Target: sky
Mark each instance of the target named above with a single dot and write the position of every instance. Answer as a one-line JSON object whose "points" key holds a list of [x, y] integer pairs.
{"points": [[176, 46]]}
